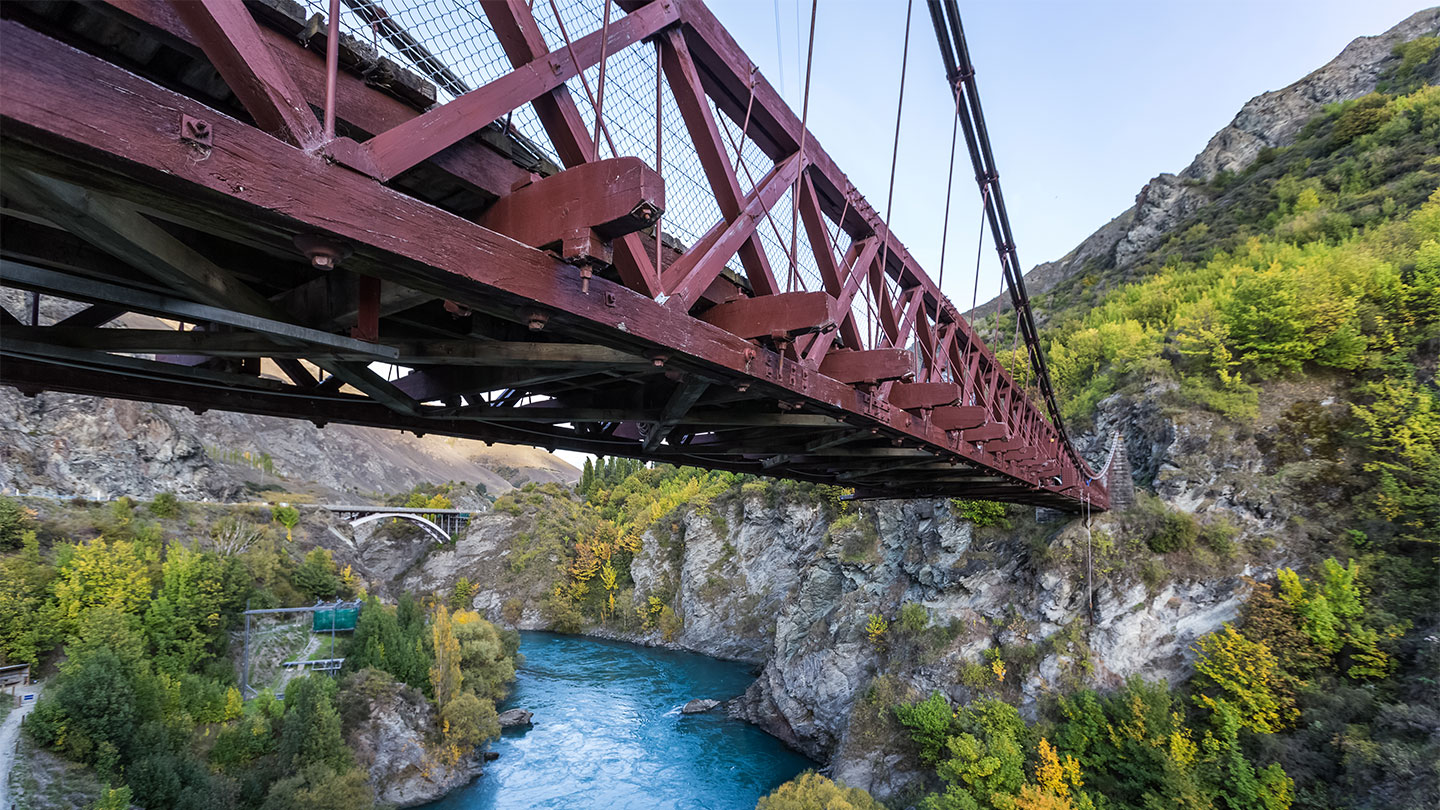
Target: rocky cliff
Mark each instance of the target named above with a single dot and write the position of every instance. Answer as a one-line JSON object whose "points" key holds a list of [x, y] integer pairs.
{"points": [[391, 738], [772, 575], [62, 445]]}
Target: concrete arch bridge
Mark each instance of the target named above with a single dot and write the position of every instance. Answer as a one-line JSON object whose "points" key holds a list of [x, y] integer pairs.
{"points": [[441, 524]]}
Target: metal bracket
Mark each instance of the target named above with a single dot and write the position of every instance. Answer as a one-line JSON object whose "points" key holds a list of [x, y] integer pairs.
{"points": [[193, 130]]}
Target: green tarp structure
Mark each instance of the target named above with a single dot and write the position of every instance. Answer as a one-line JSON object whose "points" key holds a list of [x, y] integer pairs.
{"points": [[335, 619]]}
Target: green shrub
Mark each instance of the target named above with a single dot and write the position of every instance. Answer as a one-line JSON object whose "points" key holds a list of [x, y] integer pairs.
{"points": [[1176, 531], [928, 723], [15, 521], [914, 618], [811, 791], [981, 513], [165, 505]]}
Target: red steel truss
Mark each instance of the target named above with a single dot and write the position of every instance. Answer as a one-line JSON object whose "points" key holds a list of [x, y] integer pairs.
{"points": [[167, 159]]}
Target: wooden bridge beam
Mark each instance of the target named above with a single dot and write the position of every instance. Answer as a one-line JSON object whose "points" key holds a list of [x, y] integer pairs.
{"points": [[523, 42], [232, 40]]}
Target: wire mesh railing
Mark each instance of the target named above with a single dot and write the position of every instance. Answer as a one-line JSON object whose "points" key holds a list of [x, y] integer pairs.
{"points": [[452, 45]]}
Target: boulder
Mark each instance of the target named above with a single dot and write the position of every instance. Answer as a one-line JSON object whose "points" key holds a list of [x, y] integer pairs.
{"points": [[513, 718], [699, 706]]}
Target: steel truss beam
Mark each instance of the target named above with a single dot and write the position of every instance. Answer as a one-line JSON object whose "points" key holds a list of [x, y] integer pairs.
{"points": [[118, 136]]}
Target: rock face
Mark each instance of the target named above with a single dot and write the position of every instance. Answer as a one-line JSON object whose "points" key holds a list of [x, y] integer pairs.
{"points": [[390, 743], [65, 445], [1275, 118], [699, 706]]}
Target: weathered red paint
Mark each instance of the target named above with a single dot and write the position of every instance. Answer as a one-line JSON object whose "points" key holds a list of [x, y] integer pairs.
{"points": [[435, 255], [614, 197], [776, 316]]}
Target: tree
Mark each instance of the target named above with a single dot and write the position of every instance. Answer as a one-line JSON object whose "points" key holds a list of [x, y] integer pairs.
{"points": [[165, 505], [93, 713], [287, 516], [25, 627], [460, 594], [310, 732], [468, 721], [487, 654], [113, 799], [929, 724], [317, 577], [316, 787], [587, 479], [101, 574], [392, 640], [1240, 672], [445, 675], [15, 521], [187, 619], [811, 791]]}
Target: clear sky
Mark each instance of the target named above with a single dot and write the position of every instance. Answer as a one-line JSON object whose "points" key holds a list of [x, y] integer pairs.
{"points": [[1085, 101]]}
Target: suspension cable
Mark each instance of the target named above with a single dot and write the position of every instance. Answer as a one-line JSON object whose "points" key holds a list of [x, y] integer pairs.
{"points": [[894, 152], [600, 83], [979, 249], [585, 83], [745, 167], [949, 186], [804, 136]]}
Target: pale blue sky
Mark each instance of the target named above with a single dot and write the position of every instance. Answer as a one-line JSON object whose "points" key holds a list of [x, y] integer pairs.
{"points": [[1085, 102]]}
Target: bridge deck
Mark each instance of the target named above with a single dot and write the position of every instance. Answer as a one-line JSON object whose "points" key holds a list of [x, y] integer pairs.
{"points": [[165, 159]]}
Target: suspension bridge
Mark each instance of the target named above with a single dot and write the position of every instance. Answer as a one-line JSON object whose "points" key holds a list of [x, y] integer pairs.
{"points": [[581, 224]]}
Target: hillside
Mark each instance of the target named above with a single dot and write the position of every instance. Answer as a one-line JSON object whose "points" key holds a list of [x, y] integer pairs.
{"points": [[1269, 121]]}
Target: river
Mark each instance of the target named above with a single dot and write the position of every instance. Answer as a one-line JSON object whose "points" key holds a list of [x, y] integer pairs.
{"points": [[609, 735]]}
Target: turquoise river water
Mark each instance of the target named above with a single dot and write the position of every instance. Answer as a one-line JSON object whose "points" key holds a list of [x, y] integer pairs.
{"points": [[609, 735]]}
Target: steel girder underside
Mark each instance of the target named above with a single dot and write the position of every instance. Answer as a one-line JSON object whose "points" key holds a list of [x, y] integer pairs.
{"points": [[521, 302]]}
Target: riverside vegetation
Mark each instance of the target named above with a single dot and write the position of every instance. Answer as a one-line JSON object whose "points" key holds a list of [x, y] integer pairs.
{"points": [[137, 622]]}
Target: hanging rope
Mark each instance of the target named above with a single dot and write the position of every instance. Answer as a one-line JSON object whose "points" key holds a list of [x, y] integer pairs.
{"points": [[779, 50], [585, 83], [1089, 566], [894, 152], [804, 136], [600, 83]]}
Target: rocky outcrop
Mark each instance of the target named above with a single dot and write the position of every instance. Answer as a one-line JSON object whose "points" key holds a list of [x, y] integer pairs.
{"points": [[60, 445], [516, 718], [1271, 119], [66, 445], [1275, 118], [699, 706], [391, 743]]}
